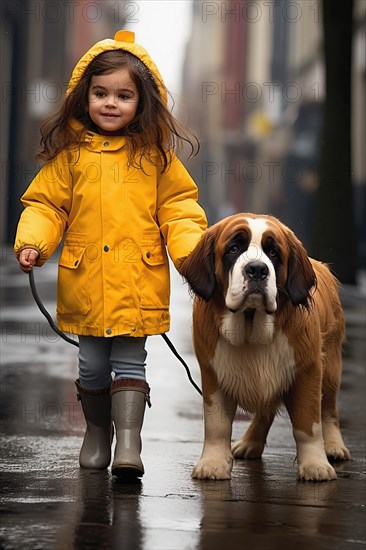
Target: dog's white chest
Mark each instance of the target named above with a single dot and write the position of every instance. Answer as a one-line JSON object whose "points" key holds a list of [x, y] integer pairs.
{"points": [[255, 374]]}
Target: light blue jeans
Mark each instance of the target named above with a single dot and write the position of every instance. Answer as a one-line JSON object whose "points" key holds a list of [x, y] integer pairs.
{"points": [[124, 356]]}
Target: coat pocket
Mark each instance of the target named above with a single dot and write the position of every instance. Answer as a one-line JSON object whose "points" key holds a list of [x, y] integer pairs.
{"points": [[72, 288], [155, 280]]}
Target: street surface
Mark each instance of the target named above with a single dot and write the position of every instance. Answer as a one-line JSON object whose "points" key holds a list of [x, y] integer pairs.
{"points": [[48, 502]]}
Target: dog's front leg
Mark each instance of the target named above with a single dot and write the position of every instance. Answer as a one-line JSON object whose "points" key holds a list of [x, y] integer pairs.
{"points": [[216, 461], [303, 405]]}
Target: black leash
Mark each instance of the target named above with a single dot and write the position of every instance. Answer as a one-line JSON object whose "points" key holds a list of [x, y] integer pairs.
{"points": [[172, 348], [43, 310], [54, 327]]}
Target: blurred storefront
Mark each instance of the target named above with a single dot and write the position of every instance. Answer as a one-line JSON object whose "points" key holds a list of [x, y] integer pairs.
{"points": [[41, 41], [255, 74]]}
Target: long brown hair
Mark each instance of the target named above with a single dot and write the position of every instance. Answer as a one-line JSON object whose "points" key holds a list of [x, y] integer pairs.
{"points": [[153, 134]]}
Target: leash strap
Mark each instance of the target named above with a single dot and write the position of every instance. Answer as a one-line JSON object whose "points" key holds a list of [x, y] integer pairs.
{"points": [[54, 327], [172, 348], [45, 312]]}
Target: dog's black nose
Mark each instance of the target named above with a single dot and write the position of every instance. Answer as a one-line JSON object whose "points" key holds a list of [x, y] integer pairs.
{"points": [[257, 271]]}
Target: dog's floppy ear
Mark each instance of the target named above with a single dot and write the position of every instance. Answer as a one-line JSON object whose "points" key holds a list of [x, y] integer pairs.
{"points": [[199, 268], [300, 275]]}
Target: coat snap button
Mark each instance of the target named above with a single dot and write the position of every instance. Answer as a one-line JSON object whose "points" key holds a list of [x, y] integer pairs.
{"points": [[108, 331], [106, 143], [106, 248], [133, 329]]}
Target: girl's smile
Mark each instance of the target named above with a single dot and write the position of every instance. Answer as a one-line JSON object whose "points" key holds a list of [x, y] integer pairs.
{"points": [[112, 101]]}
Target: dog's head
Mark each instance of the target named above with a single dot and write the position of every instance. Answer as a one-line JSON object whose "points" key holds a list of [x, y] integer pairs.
{"points": [[252, 262]]}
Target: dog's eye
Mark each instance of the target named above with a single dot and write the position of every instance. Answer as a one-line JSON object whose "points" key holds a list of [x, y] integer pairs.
{"points": [[233, 249], [272, 253]]}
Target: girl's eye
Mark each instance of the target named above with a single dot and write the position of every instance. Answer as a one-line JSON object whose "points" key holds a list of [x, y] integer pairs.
{"points": [[126, 97]]}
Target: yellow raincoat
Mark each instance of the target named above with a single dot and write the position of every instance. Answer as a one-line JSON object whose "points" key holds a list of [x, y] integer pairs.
{"points": [[113, 276]]}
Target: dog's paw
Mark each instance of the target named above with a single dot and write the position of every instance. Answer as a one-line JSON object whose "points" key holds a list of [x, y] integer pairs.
{"points": [[337, 454], [208, 468], [243, 448], [316, 471]]}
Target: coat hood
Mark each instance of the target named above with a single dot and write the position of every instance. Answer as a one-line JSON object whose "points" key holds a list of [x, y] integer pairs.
{"points": [[123, 40]]}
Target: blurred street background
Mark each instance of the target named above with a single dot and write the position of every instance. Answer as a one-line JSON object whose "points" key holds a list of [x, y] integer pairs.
{"points": [[275, 92]]}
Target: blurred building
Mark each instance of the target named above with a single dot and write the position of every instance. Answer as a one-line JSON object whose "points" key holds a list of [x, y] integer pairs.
{"points": [[41, 42], [253, 80], [254, 72], [359, 125]]}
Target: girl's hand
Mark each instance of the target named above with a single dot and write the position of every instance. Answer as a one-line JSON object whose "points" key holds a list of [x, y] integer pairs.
{"points": [[27, 259]]}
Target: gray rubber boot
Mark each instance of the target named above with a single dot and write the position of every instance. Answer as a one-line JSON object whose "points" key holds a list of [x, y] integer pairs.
{"points": [[96, 448], [129, 397]]}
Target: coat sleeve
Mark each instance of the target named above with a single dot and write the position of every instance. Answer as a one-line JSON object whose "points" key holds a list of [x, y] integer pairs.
{"points": [[181, 219], [47, 203]]}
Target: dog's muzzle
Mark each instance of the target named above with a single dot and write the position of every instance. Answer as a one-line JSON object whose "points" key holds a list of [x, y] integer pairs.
{"points": [[256, 271]]}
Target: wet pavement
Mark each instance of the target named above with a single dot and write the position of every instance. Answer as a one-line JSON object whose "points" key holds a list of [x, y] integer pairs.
{"points": [[48, 502]]}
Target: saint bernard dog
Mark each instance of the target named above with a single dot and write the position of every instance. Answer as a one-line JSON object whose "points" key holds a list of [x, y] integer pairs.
{"points": [[268, 329]]}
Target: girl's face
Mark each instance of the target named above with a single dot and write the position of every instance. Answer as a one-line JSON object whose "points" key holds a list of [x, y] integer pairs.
{"points": [[113, 99]]}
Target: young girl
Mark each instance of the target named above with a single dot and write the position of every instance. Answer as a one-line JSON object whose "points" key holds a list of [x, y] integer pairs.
{"points": [[112, 187]]}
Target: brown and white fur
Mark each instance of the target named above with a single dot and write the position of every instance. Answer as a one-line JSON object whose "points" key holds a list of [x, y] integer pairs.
{"points": [[268, 329]]}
